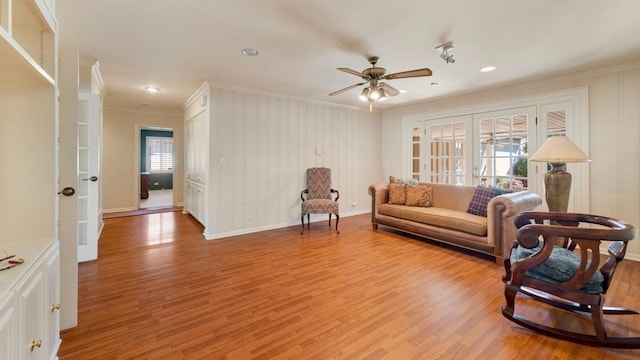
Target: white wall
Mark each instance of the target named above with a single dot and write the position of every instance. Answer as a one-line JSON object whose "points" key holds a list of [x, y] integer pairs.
{"points": [[120, 146], [614, 121], [268, 141]]}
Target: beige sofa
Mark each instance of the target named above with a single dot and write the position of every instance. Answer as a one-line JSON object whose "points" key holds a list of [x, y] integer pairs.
{"points": [[447, 219]]}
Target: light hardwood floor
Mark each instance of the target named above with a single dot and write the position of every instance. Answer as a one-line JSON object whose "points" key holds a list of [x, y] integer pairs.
{"points": [[160, 291]]}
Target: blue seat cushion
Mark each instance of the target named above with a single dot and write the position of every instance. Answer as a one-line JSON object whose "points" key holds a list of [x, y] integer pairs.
{"points": [[558, 268]]}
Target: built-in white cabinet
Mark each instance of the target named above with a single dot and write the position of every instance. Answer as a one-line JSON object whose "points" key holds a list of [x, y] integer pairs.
{"points": [[28, 148], [8, 326], [197, 113], [29, 315]]}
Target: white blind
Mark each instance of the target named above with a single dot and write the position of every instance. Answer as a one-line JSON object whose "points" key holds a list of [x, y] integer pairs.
{"points": [[159, 154]]}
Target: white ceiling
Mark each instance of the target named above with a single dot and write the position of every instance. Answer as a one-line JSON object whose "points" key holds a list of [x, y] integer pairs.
{"points": [[175, 45]]}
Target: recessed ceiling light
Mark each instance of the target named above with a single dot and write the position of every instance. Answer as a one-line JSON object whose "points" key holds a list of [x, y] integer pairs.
{"points": [[434, 84], [249, 52], [402, 91], [487, 69], [152, 89]]}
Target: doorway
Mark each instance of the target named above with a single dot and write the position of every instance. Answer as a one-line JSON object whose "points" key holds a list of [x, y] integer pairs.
{"points": [[157, 160]]}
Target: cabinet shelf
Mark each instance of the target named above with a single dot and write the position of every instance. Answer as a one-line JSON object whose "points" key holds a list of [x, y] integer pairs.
{"points": [[17, 66], [28, 40]]}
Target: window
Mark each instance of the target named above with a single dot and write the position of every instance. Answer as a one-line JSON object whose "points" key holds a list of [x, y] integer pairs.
{"points": [[159, 154]]}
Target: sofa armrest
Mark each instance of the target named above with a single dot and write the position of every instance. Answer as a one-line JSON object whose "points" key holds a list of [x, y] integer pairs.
{"points": [[501, 212], [379, 195]]}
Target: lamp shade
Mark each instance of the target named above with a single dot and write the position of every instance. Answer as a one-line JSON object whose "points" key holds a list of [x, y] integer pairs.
{"points": [[559, 149]]}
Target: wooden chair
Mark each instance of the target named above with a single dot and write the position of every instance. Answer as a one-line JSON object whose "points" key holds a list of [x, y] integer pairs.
{"points": [[569, 276], [319, 199]]}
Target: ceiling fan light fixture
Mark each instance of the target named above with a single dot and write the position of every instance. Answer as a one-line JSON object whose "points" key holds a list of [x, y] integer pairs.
{"points": [[373, 79], [364, 95], [374, 95]]}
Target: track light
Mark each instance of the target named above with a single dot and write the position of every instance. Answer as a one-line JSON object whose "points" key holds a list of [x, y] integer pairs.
{"points": [[448, 58]]}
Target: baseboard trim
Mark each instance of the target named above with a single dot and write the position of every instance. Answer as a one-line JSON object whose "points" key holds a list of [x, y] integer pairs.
{"points": [[213, 236]]}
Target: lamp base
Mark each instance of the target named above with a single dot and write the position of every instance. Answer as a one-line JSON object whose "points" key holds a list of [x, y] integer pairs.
{"points": [[557, 183]]}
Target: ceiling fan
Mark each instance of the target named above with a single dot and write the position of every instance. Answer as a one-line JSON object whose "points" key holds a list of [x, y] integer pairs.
{"points": [[378, 90]]}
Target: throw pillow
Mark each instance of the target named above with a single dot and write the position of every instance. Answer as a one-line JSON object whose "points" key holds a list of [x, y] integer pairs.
{"points": [[481, 198], [397, 194], [419, 195], [406, 181]]}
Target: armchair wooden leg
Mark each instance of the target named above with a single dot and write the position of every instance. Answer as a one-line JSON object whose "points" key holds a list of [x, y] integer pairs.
{"points": [[302, 220], [337, 219], [510, 292], [598, 321]]}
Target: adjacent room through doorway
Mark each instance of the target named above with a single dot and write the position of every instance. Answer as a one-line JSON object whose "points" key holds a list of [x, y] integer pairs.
{"points": [[156, 168]]}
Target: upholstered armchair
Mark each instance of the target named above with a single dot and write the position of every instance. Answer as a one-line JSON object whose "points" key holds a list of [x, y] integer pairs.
{"points": [[319, 196], [569, 276]]}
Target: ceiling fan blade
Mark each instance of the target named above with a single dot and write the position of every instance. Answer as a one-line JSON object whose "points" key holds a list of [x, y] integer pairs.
{"points": [[352, 72], [390, 89], [346, 89], [409, 74]]}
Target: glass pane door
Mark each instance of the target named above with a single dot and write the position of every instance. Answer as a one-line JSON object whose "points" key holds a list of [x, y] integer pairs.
{"points": [[449, 159], [416, 151], [503, 147]]}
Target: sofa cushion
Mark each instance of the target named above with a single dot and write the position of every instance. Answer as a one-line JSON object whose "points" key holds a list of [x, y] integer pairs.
{"points": [[445, 218], [481, 197], [397, 194], [419, 195]]}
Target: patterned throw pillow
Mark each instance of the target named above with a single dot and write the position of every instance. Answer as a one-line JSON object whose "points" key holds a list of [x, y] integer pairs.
{"points": [[419, 195], [481, 198], [406, 181], [397, 194]]}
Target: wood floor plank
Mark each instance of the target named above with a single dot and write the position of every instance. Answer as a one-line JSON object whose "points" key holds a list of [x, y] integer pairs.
{"points": [[160, 291]]}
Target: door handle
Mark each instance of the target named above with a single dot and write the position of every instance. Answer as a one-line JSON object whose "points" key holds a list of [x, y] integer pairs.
{"points": [[68, 191], [93, 178]]}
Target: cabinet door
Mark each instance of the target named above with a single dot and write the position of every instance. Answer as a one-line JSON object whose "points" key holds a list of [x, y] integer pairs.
{"points": [[52, 302], [31, 311], [8, 326]]}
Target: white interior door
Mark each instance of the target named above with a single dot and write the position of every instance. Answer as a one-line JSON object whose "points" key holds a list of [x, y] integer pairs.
{"points": [[89, 116]]}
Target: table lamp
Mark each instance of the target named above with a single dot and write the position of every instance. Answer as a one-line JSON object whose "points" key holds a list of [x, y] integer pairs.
{"points": [[558, 150]]}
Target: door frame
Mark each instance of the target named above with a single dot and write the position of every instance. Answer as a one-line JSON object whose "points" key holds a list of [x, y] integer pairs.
{"points": [[137, 160]]}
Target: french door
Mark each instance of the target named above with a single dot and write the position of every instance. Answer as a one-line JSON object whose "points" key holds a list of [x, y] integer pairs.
{"points": [[488, 149], [501, 148], [449, 150], [492, 148], [89, 216]]}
